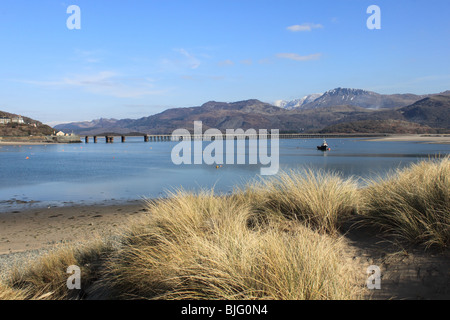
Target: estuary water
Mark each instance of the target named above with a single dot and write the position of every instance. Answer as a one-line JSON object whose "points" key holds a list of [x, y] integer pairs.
{"points": [[68, 174]]}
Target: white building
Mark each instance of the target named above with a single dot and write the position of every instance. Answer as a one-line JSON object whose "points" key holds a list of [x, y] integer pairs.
{"points": [[5, 120], [18, 120]]}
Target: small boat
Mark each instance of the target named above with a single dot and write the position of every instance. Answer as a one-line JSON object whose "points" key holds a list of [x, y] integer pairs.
{"points": [[324, 146]]}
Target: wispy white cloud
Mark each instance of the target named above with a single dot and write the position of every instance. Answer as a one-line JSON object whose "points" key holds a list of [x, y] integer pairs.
{"points": [[180, 62], [203, 78], [187, 77], [88, 56], [226, 63], [217, 78], [304, 27], [265, 61], [297, 57], [192, 61], [104, 83], [101, 79], [247, 62]]}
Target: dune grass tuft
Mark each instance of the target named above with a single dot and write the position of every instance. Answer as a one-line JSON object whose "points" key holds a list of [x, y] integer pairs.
{"points": [[201, 247], [8, 293], [413, 203], [321, 200], [46, 279]]}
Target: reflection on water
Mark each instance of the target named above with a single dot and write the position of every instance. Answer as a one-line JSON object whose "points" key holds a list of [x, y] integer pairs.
{"points": [[378, 155], [92, 173]]}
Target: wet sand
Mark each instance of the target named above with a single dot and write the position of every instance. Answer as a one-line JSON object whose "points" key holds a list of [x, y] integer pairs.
{"points": [[424, 138], [43, 228], [14, 143]]}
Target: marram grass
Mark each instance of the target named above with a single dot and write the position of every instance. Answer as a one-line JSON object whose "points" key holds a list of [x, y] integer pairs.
{"points": [[321, 200], [413, 203], [274, 239], [201, 247], [46, 278]]}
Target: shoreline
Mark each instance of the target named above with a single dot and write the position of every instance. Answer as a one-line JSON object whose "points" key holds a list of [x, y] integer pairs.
{"points": [[43, 228], [24, 143], [422, 138], [39, 140]]}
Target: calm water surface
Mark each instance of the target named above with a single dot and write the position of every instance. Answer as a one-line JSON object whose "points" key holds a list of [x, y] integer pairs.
{"points": [[100, 173]]}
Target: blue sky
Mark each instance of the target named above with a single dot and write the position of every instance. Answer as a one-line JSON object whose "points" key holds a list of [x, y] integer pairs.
{"points": [[139, 57]]}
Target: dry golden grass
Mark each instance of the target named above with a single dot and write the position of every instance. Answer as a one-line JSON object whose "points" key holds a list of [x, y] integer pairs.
{"points": [[209, 247], [275, 239], [47, 277], [318, 199], [413, 203], [8, 293]]}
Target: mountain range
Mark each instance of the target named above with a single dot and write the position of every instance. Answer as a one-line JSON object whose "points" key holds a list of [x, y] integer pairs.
{"points": [[351, 97], [406, 113]]}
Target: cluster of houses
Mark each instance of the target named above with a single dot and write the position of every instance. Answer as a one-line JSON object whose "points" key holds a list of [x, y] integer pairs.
{"points": [[62, 134], [6, 120]]}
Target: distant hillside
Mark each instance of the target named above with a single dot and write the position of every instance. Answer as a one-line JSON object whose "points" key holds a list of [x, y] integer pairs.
{"points": [[433, 111], [29, 127], [429, 115], [243, 114], [220, 115], [379, 126], [96, 126], [332, 108]]}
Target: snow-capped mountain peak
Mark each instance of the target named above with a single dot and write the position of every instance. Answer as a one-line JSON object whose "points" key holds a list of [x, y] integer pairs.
{"points": [[297, 103], [349, 96]]}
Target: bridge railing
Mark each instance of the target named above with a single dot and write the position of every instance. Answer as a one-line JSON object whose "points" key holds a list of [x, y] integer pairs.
{"points": [[203, 137]]}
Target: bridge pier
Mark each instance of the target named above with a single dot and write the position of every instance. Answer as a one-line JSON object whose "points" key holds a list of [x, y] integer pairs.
{"points": [[198, 137]]}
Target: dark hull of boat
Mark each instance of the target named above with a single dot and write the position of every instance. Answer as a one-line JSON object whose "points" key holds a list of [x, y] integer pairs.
{"points": [[323, 148]]}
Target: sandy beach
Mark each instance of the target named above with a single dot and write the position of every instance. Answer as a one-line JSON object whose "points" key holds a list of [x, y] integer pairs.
{"points": [[424, 138], [43, 228], [14, 143], [28, 234]]}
